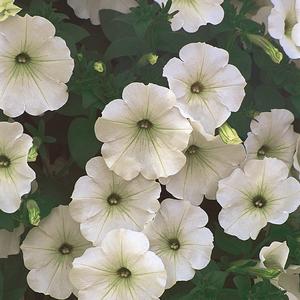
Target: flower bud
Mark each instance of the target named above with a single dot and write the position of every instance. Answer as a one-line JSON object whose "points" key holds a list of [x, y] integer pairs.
{"points": [[99, 67], [33, 212], [268, 273], [267, 46], [229, 135], [149, 58], [7, 9], [33, 151]]}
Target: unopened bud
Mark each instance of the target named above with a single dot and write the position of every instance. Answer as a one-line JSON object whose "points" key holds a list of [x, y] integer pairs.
{"points": [[99, 67], [267, 46], [33, 212], [149, 58], [8, 9], [268, 273], [229, 135], [33, 151]]}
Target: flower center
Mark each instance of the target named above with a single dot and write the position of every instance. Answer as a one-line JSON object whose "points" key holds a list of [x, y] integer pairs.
{"points": [[22, 58], [144, 124], [65, 249], [259, 201], [197, 87], [174, 244], [4, 161], [192, 150], [113, 199], [262, 152], [124, 272]]}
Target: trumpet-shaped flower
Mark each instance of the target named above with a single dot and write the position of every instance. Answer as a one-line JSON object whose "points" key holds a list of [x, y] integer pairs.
{"points": [[144, 133], [10, 241], [284, 25], [34, 66], [259, 194], [89, 9], [49, 251], [272, 135], [15, 174], [208, 159], [194, 13], [178, 236], [207, 88], [103, 201], [121, 268]]}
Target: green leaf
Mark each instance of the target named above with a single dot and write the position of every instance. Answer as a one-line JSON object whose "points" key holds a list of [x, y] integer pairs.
{"points": [[113, 28], [231, 244], [243, 284], [83, 144], [67, 32], [127, 46], [242, 60], [267, 98], [13, 278], [264, 290], [8, 221], [209, 283]]}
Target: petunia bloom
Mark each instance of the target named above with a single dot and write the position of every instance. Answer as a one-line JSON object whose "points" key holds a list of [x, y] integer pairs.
{"points": [[34, 66], [15, 174], [103, 201], [178, 236], [194, 13], [260, 193], [89, 9], [121, 268], [284, 25], [208, 159], [144, 133], [49, 251], [272, 135], [207, 88]]}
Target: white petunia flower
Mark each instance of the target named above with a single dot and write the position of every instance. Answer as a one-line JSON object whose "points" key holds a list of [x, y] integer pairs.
{"points": [[208, 159], [178, 236], [89, 9], [194, 13], [259, 194], [121, 268], [272, 135], [144, 133], [274, 256], [207, 88], [290, 281], [49, 251], [103, 201], [284, 25], [296, 159], [10, 241], [15, 174], [34, 66]]}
